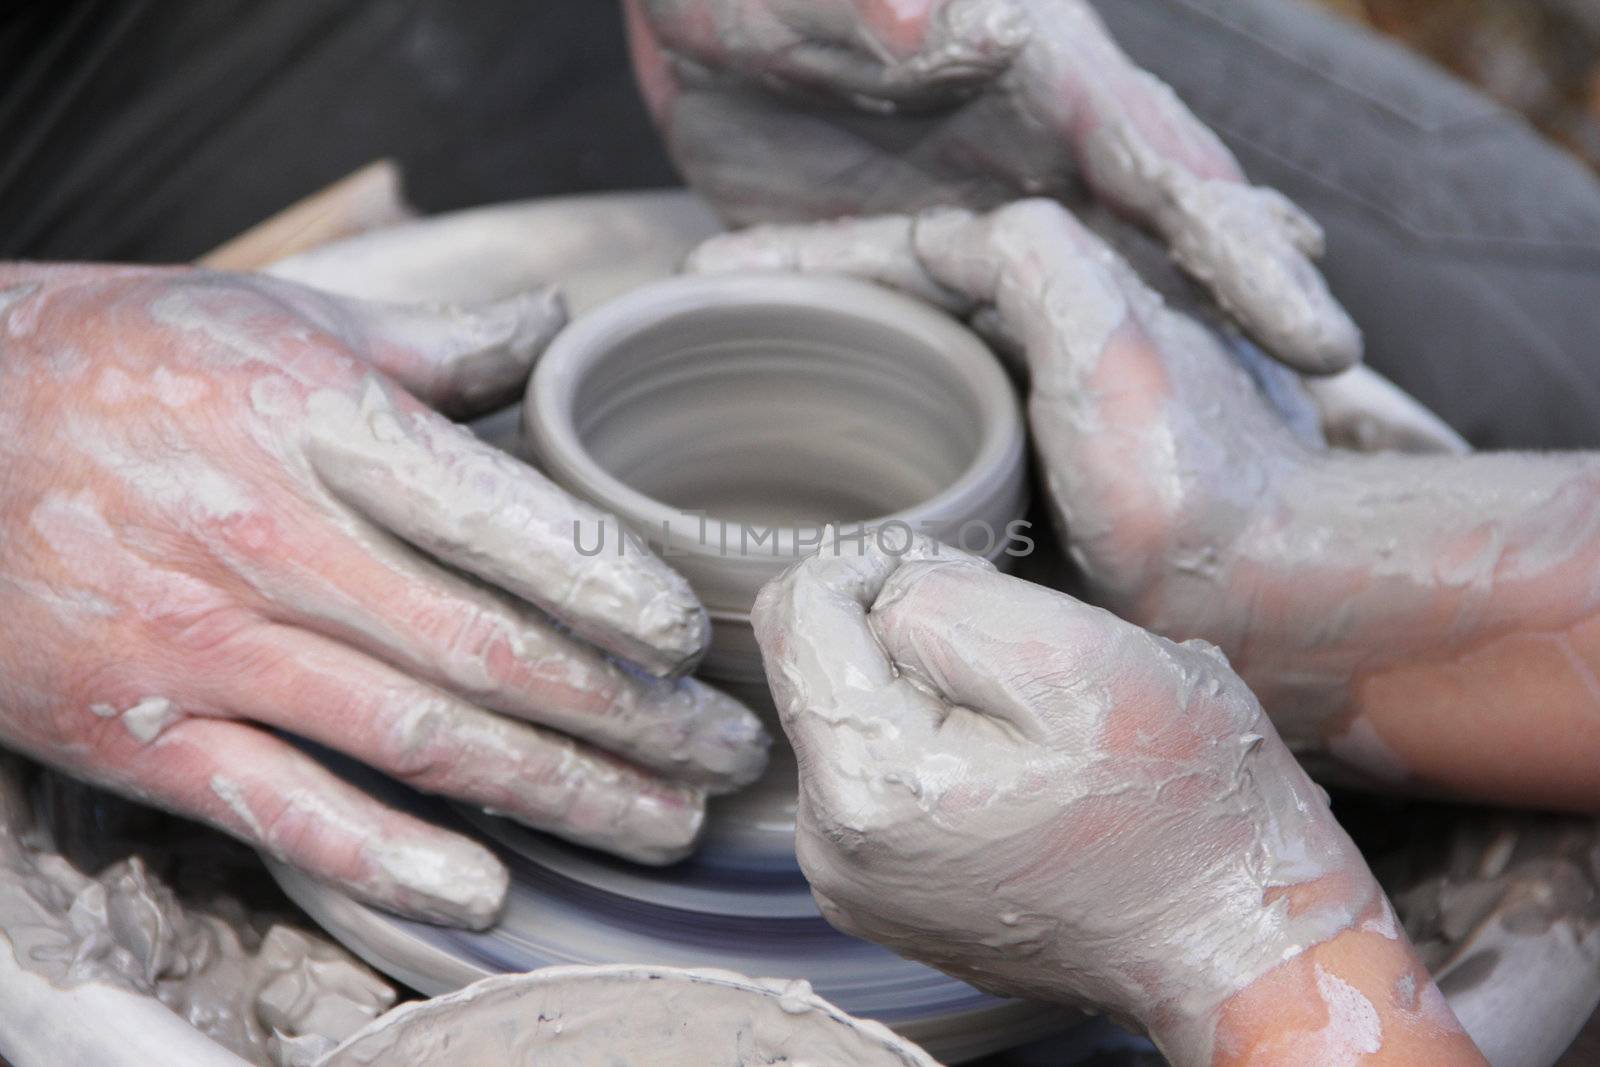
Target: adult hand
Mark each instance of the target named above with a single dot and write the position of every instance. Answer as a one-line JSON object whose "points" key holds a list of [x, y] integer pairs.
{"points": [[1430, 622], [227, 510], [1035, 796], [781, 111]]}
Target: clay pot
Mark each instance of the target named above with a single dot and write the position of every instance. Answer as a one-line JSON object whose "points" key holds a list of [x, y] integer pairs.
{"points": [[727, 419]]}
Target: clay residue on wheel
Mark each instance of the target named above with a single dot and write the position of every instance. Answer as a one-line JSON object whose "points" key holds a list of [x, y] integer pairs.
{"points": [[1510, 927]]}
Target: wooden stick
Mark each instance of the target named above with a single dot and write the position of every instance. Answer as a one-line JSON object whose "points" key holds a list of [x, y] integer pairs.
{"points": [[365, 200]]}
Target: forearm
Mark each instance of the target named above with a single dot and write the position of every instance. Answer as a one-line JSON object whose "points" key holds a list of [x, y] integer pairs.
{"points": [[1360, 998], [1432, 620]]}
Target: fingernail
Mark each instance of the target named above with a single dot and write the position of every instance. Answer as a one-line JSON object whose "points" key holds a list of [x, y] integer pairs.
{"points": [[450, 881], [661, 827], [638, 819], [673, 628], [701, 735], [544, 314], [979, 32]]}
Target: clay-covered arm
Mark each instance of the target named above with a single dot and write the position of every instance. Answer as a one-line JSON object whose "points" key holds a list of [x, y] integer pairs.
{"points": [[779, 110], [1432, 621], [1426, 620], [1033, 795], [1362, 998], [229, 508]]}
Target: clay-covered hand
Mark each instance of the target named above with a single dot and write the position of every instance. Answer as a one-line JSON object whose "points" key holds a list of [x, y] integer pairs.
{"points": [[782, 111], [1031, 794], [228, 510], [1431, 622]]}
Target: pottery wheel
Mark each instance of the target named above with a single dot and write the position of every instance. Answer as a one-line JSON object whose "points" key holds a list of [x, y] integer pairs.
{"points": [[740, 903]]}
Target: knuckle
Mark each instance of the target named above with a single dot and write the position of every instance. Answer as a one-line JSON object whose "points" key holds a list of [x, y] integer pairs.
{"points": [[1030, 216], [202, 629], [113, 707], [252, 533], [420, 747], [819, 860], [290, 831], [922, 592], [565, 782], [476, 647]]}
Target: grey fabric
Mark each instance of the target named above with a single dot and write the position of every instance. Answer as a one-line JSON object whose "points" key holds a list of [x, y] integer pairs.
{"points": [[1466, 246], [156, 129]]}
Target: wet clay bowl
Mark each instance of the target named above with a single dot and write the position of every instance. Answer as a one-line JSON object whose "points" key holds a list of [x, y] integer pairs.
{"points": [[727, 419], [625, 1016]]}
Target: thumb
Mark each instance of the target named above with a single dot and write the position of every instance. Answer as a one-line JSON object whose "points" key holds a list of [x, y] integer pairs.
{"points": [[460, 359]]}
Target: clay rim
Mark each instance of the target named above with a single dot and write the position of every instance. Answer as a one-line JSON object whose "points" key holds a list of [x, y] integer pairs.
{"points": [[549, 426], [892, 1045]]}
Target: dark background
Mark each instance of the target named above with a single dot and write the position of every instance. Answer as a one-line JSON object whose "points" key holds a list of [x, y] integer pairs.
{"points": [[156, 129]]}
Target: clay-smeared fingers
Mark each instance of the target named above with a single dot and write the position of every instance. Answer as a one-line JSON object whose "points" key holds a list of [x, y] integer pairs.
{"points": [[256, 787], [841, 700], [1062, 674], [875, 54], [1146, 154], [461, 359], [920, 56], [1363, 411], [1055, 286], [318, 689], [354, 583], [476, 508], [879, 249], [1019, 260], [1253, 249], [983, 641]]}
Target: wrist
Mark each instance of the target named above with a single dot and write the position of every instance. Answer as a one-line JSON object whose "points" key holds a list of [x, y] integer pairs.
{"points": [[1361, 997], [1251, 968]]}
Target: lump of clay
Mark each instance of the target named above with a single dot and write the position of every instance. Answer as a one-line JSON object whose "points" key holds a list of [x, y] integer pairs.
{"points": [[1508, 921], [626, 1016], [279, 999]]}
